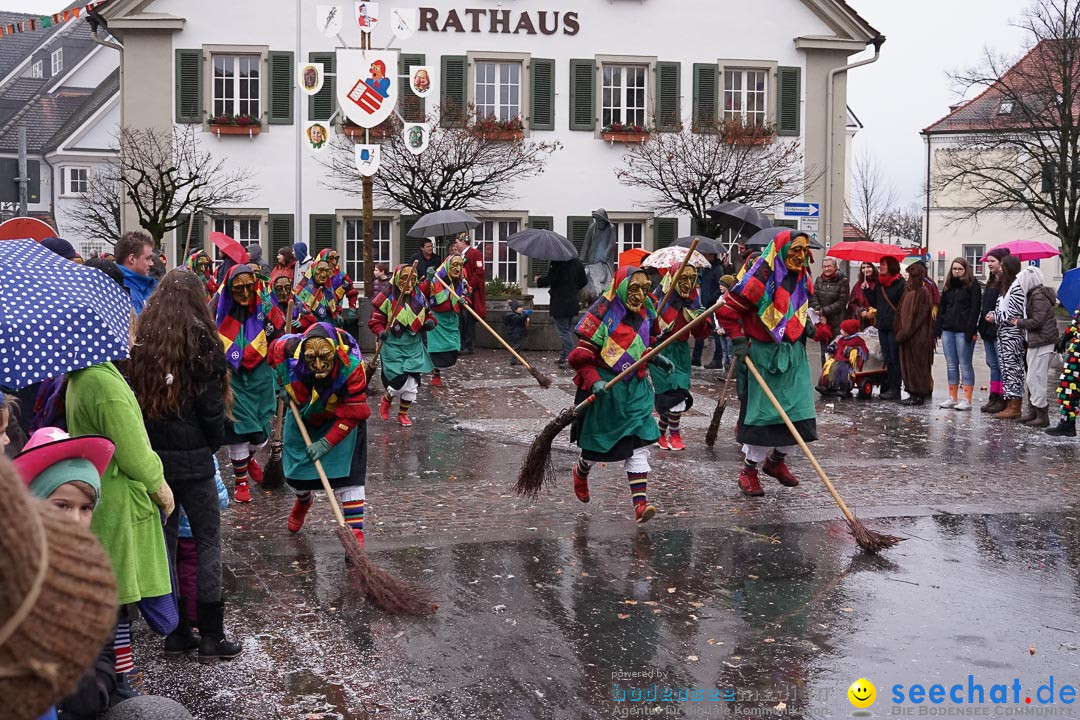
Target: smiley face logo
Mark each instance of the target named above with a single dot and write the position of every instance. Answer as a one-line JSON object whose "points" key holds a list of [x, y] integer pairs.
{"points": [[862, 693]]}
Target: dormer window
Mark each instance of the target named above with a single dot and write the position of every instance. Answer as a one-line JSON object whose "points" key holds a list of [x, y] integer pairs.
{"points": [[1005, 108], [37, 69], [57, 61]]}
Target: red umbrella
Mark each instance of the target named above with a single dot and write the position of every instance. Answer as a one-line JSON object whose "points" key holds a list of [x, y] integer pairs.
{"points": [[1028, 249], [865, 251], [232, 248], [632, 257], [26, 227]]}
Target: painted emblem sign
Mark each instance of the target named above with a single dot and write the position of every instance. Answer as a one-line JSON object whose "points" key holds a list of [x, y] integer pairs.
{"points": [[367, 159], [367, 15], [367, 85], [420, 80], [310, 77], [404, 21], [416, 137], [328, 19]]}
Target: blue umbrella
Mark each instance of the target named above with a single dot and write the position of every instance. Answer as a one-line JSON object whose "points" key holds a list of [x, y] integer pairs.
{"points": [[56, 315], [1069, 292]]}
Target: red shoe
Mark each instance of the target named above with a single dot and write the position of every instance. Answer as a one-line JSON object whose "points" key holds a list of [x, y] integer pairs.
{"points": [[255, 471], [298, 514], [663, 442], [581, 486], [748, 482], [781, 472], [643, 511], [676, 442], [384, 408], [359, 534], [403, 420], [242, 494], [436, 381]]}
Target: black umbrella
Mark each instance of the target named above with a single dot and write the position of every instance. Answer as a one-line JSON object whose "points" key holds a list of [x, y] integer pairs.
{"points": [[705, 244], [442, 223], [542, 245], [738, 217]]}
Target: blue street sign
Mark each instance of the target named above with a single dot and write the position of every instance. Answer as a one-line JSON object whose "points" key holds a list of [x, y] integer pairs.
{"points": [[801, 209]]}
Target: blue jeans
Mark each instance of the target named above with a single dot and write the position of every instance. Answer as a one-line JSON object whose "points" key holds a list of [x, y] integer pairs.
{"points": [[564, 326], [992, 362], [959, 349], [726, 349]]}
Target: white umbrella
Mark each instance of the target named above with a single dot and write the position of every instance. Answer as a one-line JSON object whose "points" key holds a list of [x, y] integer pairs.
{"points": [[664, 258]]}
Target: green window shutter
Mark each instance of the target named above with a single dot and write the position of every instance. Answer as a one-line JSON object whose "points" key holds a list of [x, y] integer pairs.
{"points": [[706, 96], [182, 236], [321, 105], [668, 92], [189, 104], [411, 107], [665, 232], [699, 227], [788, 93], [281, 88], [576, 227], [583, 94], [454, 93], [542, 94], [409, 246], [281, 233], [540, 267], [323, 229]]}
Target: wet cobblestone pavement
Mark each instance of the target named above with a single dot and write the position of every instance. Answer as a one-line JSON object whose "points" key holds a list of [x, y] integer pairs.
{"points": [[541, 604]]}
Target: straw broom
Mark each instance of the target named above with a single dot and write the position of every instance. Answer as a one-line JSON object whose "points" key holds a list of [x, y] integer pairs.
{"points": [[869, 540], [543, 380], [536, 469], [384, 589], [369, 366], [718, 413], [274, 474]]}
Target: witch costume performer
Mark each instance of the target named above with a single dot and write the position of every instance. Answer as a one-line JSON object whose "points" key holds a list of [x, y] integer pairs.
{"points": [[399, 315], [773, 299], [247, 321], [323, 373], [618, 425], [673, 396], [200, 263], [315, 294], [444, 342]]}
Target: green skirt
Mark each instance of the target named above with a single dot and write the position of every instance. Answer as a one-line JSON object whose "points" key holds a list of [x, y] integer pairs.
{"points": [[618, 422], [253, 405], [345, 465], [403, 356], [786, 370], [674, 388], [446, 337]]}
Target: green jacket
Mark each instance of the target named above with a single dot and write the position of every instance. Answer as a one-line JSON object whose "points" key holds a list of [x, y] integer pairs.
{"points": [[126, 521]]}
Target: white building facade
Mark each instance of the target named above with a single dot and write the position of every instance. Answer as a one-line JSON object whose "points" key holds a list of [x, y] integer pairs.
{"points": [[566, 70]]}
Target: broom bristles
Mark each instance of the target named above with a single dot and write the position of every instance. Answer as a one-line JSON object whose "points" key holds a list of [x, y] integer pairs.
{"points": [[274, 474], [536, 468], [543, 380], [869, 540], [714, 424], [385, 590]]}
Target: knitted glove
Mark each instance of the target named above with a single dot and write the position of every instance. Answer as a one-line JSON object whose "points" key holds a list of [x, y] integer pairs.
{"points": [[740, 347], [317, 449], [163, 498], [599, 388], [382, 336], [430, 273], [663, 364], [429, 324]]}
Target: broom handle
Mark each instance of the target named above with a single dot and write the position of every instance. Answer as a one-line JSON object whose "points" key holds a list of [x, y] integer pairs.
{"points": [[798, 438], [318, 465], [390, 321], [487, 327], [677, 335], [678, 274], [727, 382]]}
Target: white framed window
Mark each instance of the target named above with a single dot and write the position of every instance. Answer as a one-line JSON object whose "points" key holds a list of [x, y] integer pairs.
{"points": [[354, 246], [630, 234], [57, 61], [746, 96], [497, 89], [624, 92], [236, 85], [37, 70], [244, 229], [973, 254], [499, 260], [74, 180], [92, 248]]}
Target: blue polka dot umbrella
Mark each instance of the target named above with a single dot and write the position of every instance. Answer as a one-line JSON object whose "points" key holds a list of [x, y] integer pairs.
{"points": [[56, 315]]}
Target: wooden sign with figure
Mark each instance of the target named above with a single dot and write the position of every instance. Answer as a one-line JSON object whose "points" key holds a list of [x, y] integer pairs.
{"points": [[367, 85]]}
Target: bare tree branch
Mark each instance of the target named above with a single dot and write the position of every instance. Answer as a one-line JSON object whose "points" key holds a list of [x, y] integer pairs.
{"points": [[872, 201]]}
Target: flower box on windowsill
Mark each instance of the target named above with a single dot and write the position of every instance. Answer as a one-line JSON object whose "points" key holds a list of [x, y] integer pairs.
{"points": [[748, 139], [249, 130], [500, 135], [379, 132], [626, 137]]}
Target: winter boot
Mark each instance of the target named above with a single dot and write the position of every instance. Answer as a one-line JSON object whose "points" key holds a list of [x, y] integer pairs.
{"points": [[214, 645], [676, 443], [1028, 413], [778, 469], [663, 442], [1066, 427], [1041, 419], [581, 485], [436, 379], [403, 420], [951, 402], [182, 639], [748, 482], [299, 513], [1011, 411], [643, 511], [994, 404]]}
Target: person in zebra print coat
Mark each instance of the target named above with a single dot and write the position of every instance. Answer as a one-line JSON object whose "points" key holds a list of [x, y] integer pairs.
{"points": [[1011, 305]]}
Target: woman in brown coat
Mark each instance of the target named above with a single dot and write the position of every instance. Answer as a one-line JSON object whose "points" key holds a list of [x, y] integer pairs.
{"points": [[914, 330]]}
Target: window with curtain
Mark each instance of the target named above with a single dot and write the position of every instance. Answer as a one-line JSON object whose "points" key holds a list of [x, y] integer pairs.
{"points": [[499, 260], [354, 246], [236, 85]]}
